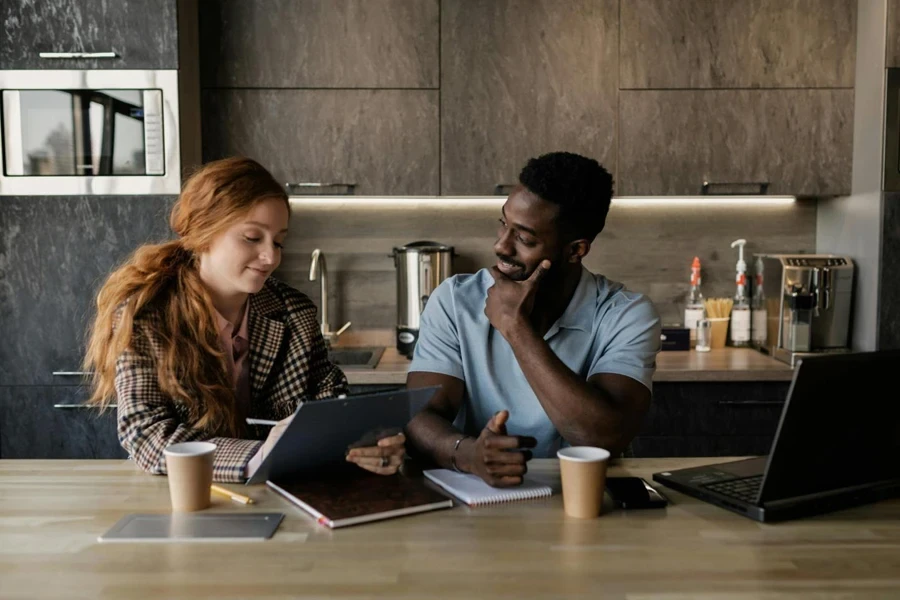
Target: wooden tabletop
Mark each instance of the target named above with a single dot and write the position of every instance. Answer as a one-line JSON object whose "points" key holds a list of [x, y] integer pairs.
{"points": [[726, 364], [51, 513]]}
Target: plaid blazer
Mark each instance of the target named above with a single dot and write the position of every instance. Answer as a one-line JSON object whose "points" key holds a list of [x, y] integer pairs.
{"points": [[288, 363]]}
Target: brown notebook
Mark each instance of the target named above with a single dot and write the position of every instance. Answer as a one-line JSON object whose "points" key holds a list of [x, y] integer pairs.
{"points": [[350, 499]]}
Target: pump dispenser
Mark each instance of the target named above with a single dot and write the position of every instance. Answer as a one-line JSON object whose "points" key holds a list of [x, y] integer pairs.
{"points": [[740, 311]]}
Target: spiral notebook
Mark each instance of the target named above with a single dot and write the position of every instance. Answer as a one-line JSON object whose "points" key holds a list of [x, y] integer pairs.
{"points": [[472, 490]]}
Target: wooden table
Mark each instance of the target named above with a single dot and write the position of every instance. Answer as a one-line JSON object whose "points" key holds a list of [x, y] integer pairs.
{"points": [[51, 513]]}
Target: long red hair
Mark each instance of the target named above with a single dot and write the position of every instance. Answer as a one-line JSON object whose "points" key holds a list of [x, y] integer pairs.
{"points": [[162, 282]]}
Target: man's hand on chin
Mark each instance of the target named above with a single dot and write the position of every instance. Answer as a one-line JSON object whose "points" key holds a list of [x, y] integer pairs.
{"points": [[509, 303]]}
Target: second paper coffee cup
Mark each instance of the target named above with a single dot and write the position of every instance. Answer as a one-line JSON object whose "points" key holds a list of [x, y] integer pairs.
{"points": [[583, 473]]}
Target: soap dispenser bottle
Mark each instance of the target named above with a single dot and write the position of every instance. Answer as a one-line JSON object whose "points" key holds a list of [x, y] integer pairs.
{"points": [[740, 310]]}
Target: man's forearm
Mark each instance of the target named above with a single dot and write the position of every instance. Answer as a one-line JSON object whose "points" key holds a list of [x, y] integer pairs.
{"points": [[435, 437], [582, 413]]}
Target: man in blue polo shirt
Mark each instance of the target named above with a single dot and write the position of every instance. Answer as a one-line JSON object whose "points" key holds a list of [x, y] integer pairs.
{"points": [[535, 352]]}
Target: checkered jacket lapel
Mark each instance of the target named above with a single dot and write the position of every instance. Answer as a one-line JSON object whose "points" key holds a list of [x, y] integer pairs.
{"points": [[284, 331], [266, 334]]}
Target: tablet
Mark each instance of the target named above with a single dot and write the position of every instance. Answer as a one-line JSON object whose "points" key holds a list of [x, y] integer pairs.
{"points": [[194, 527], [323, 430]]}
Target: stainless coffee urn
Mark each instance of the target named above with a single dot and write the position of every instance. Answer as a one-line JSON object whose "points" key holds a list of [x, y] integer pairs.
{"points": [[421, 267]]}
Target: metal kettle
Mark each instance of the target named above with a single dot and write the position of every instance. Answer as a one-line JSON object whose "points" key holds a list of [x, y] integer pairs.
{"points": [[421, 267]]}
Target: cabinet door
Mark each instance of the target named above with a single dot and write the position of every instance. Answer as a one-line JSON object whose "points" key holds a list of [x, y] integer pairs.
{"points": [[384, 141], [315, 44], [55, 252], [521, 78], [799, 141], [681, 446], [141, 33], [889, 278], [893, 33], [32, 427], [714, 409], [747, 44]]}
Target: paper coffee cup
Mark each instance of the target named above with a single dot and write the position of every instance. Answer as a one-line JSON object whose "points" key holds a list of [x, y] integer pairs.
{"points": [[583, 473], [190, 468]]}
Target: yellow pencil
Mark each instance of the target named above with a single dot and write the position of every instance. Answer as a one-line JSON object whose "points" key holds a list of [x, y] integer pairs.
{"points": [[233, 495]]}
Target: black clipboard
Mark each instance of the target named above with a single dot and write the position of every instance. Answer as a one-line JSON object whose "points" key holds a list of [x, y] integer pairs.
{"points": [[323, 430]]}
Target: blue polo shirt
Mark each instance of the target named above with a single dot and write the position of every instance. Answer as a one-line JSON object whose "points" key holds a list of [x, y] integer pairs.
{"points": [[605, 329]]}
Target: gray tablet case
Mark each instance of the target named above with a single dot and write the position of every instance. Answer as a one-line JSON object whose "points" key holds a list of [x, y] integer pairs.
{"points": [[194, 527], [323, 430]]}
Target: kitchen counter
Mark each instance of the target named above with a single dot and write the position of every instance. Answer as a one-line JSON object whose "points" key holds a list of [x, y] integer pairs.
{"points": [[724, 365], [53, 512]]}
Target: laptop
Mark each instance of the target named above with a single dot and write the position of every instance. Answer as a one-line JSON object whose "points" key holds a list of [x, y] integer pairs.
{"points": [[837, 445], [322, 431]]}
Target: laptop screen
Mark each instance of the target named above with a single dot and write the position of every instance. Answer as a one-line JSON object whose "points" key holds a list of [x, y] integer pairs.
{"points": [[840, 427]]}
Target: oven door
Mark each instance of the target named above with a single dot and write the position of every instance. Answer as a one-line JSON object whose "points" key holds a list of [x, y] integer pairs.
{"points": [[87, 132]]}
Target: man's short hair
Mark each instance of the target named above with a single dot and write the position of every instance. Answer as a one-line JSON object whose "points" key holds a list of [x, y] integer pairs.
{"points": [[580, 186]]}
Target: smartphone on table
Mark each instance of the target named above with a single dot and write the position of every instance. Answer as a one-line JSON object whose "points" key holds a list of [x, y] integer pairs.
{"points": [[634, 492]]}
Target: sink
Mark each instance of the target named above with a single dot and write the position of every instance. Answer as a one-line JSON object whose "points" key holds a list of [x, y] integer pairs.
{"points": [[358, 358]]}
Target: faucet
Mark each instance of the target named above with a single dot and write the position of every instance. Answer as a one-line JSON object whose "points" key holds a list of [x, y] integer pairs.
{"points": [[317, 269]]}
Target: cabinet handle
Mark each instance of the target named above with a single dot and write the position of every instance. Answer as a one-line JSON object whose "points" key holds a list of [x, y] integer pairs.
{"points": [[498, 189], [750, 402], [81, 406], [72, 373], [762, 185], [78, 55], [291, 185]]}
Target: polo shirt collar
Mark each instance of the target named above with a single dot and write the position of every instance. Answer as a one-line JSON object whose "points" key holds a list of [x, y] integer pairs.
{"points": [[579, 314]]}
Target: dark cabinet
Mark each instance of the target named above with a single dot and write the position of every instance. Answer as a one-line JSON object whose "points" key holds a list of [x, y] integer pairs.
{"points": [[34, 424], [751, 92], [893, 33], [383, 141], [799, 141], [711, 419], [736, 445], [691, 44], [519, 79], [142, 34], [55, 252], [315, 44]]}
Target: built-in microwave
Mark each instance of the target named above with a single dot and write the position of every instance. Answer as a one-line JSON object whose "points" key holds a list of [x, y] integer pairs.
{"points": [[89, 132]]}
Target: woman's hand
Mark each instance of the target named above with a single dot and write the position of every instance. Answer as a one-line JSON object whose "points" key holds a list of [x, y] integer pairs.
{"points": [[384, 459]]}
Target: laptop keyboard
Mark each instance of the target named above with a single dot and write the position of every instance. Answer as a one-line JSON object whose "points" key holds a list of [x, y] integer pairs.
{"points": [[745, 488]]}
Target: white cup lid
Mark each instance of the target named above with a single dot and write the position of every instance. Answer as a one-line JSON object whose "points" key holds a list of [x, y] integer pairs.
{"points": [[190, 449], [583, 454]]}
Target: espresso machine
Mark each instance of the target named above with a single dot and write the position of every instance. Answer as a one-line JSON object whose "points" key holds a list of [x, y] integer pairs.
{"points": [[804, 303], [421, 267]]}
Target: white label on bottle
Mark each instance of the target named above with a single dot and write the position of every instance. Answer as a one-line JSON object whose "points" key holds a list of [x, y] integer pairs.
{"points": [[740, 325], [691, 316], [760, 318]]}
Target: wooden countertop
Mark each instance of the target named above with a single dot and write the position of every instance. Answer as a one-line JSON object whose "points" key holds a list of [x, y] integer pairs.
{"points": [[726, 364], [51, 513]]}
